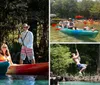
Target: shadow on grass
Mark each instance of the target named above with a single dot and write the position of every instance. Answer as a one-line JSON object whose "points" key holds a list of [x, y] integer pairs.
{"points": [[83, 38]]}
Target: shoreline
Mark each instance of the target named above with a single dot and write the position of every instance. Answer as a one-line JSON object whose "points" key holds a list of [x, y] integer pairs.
{"points": [[56, 79]]}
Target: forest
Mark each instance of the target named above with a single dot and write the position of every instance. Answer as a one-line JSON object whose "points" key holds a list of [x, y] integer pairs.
{"points": [[13, 13], [72, 8]]}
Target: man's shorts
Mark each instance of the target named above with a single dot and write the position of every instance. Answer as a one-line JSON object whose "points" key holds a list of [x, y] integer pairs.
{"points": [[27, 52], [80, 66]]}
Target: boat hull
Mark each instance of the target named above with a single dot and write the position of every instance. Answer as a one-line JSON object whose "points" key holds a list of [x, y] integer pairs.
{"points": [[79, 32], [29, 69], [3, 67]]}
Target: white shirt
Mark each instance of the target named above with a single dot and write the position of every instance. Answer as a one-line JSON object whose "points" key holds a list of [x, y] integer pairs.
{"points": [[28, 41]]}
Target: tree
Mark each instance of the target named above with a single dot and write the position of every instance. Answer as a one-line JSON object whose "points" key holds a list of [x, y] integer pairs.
{"points": [[61, 62], [64, 8], [95, 11], [34, 12], [60, 58], [98, 68], [84, 6]]}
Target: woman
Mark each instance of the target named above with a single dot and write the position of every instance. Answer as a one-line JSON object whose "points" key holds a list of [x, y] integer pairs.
{"points": [[5, 54], [5, 59]]}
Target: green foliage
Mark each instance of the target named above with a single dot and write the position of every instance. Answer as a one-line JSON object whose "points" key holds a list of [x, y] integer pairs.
{"points": [[71, 8], [62, 63], [60, 58], [13, 13], [64, 8], [95, 10]]}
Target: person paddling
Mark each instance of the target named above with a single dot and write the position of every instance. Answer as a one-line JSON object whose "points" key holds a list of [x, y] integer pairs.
{"points": [[76, 59], [26, 39]]}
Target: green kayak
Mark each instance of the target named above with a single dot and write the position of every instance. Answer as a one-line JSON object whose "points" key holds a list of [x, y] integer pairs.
{"points": [[3, 67], [79, 32]]}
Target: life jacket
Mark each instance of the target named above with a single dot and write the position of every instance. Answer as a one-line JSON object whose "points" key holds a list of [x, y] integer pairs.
{"points": [[2, 58], [71, 24]]}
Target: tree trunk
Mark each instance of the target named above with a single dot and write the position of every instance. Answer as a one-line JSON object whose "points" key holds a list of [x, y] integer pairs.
{"points": [[98, 68]]}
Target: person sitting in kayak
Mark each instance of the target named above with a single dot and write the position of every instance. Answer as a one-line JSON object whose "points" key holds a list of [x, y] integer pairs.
{"points": [[71, 24], [63, 23], [5, 54], [76, 59], [87, 28]]}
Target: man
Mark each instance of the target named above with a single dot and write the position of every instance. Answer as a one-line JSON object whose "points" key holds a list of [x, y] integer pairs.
{"points": [[70, 24], [26, 39], [76, 59]]}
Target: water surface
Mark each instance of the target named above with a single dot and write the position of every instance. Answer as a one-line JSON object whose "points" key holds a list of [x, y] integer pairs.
{"points": [[23, 80], [78, 83]]}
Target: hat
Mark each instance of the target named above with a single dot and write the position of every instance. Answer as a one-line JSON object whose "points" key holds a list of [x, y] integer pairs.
{"points": [[70, 18], [26, 25]]}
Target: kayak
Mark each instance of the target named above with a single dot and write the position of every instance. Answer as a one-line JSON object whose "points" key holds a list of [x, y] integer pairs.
{"points": [[24, 69], [29, 69], [3, 67], [78, 32]]}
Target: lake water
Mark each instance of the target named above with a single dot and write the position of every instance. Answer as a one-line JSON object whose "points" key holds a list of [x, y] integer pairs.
{"points": [[78, 83], [23, 80]]}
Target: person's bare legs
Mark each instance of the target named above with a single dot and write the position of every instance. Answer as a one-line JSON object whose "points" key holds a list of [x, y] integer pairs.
{"points": [[82, 69], [21, 61], [33, 61]]}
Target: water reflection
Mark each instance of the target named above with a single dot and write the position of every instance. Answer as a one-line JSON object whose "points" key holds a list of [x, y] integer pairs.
{"points": [[21, 80], [5, 80]]}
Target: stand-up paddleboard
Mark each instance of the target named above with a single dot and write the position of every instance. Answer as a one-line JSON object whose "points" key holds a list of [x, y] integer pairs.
{"points": [[29, 69]]}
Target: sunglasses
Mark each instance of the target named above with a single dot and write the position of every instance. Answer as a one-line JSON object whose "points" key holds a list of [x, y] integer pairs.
{"points": [[4, 47], [25, 27]]}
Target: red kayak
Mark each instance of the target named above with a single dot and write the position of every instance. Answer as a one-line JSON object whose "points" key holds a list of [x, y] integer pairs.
{"points": [[29, 69]]}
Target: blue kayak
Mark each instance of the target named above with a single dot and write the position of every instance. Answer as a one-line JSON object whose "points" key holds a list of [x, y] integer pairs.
{"points": [[3, 67], [79, 32]]}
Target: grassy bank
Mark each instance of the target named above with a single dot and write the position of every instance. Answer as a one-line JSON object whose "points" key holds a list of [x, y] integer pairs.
{"points": [[57, 36]]}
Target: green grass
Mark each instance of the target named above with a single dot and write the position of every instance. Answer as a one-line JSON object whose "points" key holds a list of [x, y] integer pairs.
{"points": [[57, 36]]}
